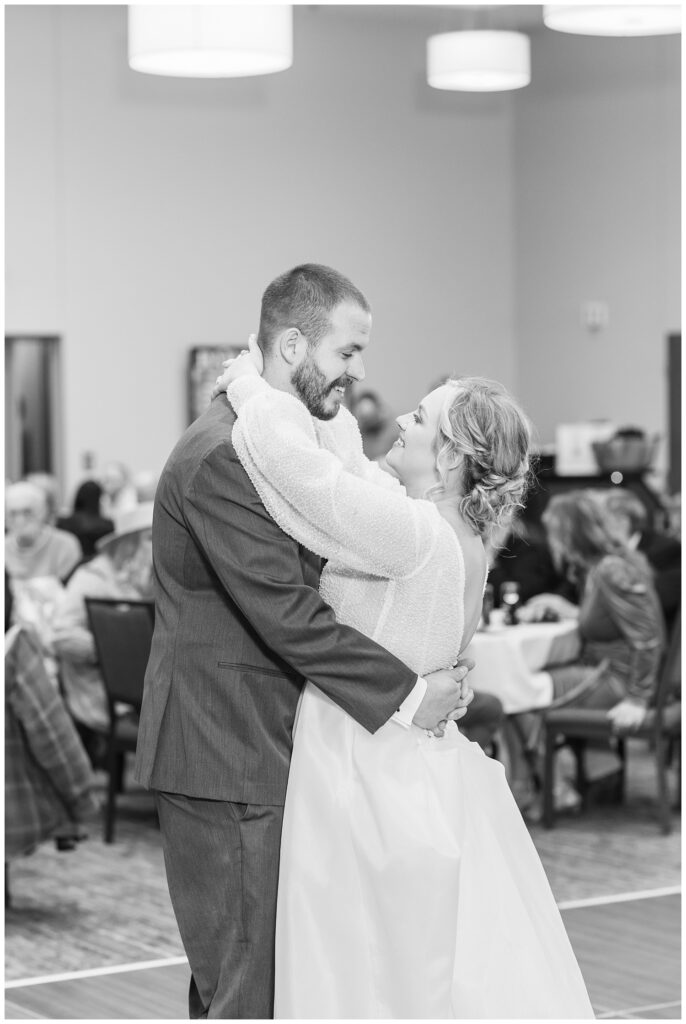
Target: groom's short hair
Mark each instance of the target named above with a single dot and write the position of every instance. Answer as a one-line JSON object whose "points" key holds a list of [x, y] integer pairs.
{"points": [[304, 297]]}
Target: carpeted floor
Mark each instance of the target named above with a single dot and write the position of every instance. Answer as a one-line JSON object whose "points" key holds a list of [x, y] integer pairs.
{"points": [[104, 905]]}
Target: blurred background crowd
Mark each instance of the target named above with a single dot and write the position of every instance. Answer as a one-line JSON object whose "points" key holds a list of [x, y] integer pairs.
{"points": [[604, 556]]}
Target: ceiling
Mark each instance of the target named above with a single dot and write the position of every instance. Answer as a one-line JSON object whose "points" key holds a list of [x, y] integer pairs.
{"points": [[447, 17]]}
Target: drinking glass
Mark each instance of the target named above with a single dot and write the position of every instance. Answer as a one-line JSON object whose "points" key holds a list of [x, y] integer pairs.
{"points": [[510, 600]]}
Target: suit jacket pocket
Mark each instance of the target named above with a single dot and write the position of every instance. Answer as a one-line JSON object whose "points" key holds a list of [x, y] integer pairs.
{"points": [[260, 670]]}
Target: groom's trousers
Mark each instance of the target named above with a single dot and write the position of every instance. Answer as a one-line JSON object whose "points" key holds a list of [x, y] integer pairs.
{"points": [[222, 863]]}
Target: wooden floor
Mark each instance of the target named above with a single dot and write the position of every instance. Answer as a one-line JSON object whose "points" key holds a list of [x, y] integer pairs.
{"points": [[629, 951], [630, 956]]}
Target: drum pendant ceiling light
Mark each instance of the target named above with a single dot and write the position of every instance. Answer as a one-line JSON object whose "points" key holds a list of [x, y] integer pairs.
{"points": [[482, 61], [615, 20], [224, 41]]}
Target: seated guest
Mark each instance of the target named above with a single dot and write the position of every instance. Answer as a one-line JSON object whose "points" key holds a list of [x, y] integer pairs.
{"points": [[121, 569], [378, 428], [119, 494], [49, 785], [516, 555], [662, 551], [620, 620], [51, 488], [32, 546], [86, 521]]}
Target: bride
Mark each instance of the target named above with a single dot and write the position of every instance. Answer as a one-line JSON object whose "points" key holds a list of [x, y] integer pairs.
{"points": [[409, 886]]}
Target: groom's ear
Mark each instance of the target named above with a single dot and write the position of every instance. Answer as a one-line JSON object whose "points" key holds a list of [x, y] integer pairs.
{"points": [[292, 345]]}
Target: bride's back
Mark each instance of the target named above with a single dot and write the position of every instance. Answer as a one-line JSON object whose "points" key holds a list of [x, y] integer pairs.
{"points": [[475, 566]]}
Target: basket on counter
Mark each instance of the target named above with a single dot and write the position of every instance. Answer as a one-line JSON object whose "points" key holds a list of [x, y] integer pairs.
{"points": [[629, 451]]}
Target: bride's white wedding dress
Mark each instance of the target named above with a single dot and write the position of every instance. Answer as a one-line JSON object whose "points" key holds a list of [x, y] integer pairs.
{"points": [[409, 886]]}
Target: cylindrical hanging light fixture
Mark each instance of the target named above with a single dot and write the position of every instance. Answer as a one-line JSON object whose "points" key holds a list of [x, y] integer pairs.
{"points": [[615, 20], [483, 61], [224, 41]]}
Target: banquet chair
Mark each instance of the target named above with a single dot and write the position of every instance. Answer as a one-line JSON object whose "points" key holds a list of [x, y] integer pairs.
{"points": [[661, 728], [122, 631]]}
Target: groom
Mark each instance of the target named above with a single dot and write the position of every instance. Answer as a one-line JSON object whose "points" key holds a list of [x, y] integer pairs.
{"points": [[239, 627]]}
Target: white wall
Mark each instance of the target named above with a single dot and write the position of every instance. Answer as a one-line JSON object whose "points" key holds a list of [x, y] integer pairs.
{"points": [[33, 196], [162, 207], [597, 216], [145, 215]]}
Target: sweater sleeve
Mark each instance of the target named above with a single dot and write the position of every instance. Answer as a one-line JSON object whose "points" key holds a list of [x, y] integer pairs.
{"points": [[334, 512], [342, 434]]}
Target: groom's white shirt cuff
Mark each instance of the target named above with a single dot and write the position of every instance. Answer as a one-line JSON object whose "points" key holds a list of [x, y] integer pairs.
{"points": [[409, 707]]}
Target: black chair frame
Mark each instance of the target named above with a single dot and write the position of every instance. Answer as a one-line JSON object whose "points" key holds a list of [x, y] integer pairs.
{"points": [[122, 630], [575, 727]]}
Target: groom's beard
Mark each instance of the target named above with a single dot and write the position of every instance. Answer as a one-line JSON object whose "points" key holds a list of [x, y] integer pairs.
{"points": [[315, 392]]}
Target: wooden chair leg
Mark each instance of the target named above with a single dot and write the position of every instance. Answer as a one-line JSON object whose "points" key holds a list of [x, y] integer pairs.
{"points": [[578, 748], [620, 787], [119, 771], [662, 784], [8, 898], [110, 806], [531, 746], [677, 772], [548, 773], [521, 739]]}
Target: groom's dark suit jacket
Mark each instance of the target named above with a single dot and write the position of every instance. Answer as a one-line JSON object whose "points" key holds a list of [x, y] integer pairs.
{"points": [[239, 626]]}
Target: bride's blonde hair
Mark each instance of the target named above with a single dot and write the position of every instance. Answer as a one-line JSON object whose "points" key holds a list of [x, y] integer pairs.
{"points": [[482, 429]]}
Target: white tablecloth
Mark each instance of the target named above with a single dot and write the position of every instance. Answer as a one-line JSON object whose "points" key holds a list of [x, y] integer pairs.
{"points": [[510, 661]]}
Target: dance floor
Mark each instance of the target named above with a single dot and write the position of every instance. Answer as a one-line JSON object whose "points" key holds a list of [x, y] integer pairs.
{"points": [[628, 947]]}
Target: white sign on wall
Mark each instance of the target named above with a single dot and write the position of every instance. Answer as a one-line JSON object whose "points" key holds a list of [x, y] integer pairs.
{"points": [[574, 446]]}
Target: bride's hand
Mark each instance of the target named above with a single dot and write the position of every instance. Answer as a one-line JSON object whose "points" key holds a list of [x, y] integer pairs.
{"points": [[465, 699], [248, 363], [447, 696]]}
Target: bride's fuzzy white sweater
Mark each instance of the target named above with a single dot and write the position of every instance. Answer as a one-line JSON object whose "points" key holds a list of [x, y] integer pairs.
{"points": [[395, 569]]}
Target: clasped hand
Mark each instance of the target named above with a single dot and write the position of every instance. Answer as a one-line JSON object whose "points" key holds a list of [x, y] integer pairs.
{"points": [[447, 698], [248, 364]]}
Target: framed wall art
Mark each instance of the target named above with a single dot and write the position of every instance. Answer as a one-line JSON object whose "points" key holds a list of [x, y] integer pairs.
{"points": [[204, 366]]}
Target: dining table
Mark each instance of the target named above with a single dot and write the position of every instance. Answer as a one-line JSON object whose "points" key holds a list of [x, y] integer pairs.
{"points": [[512, 661]]}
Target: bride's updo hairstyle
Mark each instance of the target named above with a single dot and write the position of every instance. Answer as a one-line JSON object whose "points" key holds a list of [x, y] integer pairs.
{"points": [[482, 428]]}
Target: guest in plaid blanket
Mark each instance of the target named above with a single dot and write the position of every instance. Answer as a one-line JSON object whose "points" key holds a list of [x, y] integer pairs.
{"points": [[49, 784]]}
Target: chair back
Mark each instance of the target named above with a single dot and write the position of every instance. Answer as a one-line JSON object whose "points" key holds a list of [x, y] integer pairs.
{"points": [[669, 677], [123, 634]]}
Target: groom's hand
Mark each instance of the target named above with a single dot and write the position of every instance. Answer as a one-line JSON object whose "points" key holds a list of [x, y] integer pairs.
{"points": [[447, 697]]}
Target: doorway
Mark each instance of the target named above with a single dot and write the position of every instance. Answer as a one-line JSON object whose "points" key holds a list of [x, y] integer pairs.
{"points": [[32, 406]]}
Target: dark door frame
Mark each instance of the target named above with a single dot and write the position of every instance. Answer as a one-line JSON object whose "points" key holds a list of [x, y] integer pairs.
{"points": [[13, 456]]}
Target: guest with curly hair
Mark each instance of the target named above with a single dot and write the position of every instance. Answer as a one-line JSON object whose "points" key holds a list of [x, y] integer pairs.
{"points": [[621, 624], [620, 619]]}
